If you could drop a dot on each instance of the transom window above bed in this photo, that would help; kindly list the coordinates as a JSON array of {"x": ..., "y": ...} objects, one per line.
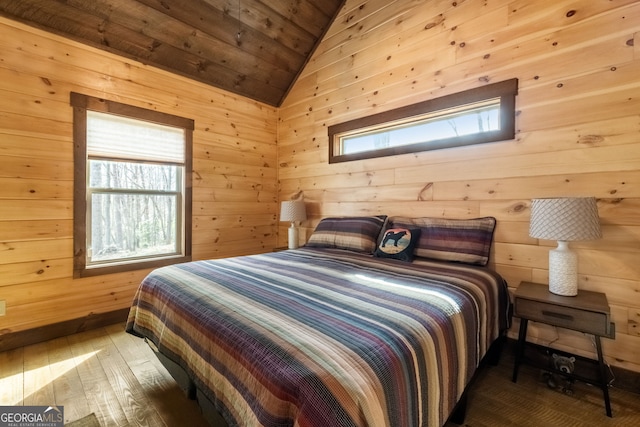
[
  {"x": 132, "y": 197},
  {"x": 475, "y": 116}
]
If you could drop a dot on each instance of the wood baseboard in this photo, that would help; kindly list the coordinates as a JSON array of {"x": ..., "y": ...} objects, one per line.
[{"x": 13, "y": 340}]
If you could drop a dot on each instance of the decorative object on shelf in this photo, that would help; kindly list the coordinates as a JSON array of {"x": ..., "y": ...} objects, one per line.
[
  {"x": 565, "y": 364},
  {"x": 564, "y": 219},
  {"x": 293, "y": 211}
]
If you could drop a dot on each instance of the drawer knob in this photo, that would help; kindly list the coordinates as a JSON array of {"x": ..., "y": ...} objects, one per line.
[{"x": 557, "y": 315}]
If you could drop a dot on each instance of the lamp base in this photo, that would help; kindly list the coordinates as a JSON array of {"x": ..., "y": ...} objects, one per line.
[
  {"x": 293, "y": 236},
  {"x": 563, "y": 271}
]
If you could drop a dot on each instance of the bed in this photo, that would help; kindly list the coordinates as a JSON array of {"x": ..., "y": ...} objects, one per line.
[{"x": 330, "y": 334}]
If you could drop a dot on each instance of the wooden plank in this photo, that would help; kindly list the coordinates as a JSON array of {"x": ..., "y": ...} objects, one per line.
[
  {"x": 390, "y": 193},
  {"x": 592, "y": 263},
  {"x": 161, "y": 391},
  {"x": 556, "y": 35},
  {"x": 620, "y": 265},
  {"x": 34, "y": 315},
  {"x": 619, "y": 76},
  {"x": 224, "y": 220},
  {"x": 24, "y": 251},
  {"x": 523, "y": 13},
  {"x": 604, "y": 184},
  {"x": 32, "y": 189},
  {"x": 67, "y": 385},
  {"x": 226, "y": 131},
  {"x": 127, "y": 389},
  {"x": 591, "y": 160},
  {"x": 21, "y": 124},
  {"x": 35, "y": 230},
  {"x": 621, "y": 292},
  {"x": 38, "y": 377},
  {"x": 100, "y": 393},
  {"x": 37, "y": 106},
  {"x": 622, "y": 100},
  {"x": 34, "y": 210},
  {"x": 241, "y": 233},
  {"x": 35, "y": 168},
  {"x": 12, "y": 340},
  {"x": 236, "y": 169},
  {"x": 203, "y": 185},
  {"x": 209, "y": 250},
  {"x": 236, "y": 150},
  {"x": 234, "y": 194},
  {"x": 222, "y": 155},
  {"x": 24, "y": 146},
  {"x": 34, "y": 304},
  {"x": 410, "y": 209},
  {"x": 12, "y": 377},
  {"x": 337, "y": 181},
  {"x": 236, "y": 208},
  {"x": 511, "y": 231},
  {"x": 35, "y": 271}
]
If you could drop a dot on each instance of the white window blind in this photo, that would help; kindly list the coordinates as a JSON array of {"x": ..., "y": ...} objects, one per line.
[{"x": 116, "y": 137}]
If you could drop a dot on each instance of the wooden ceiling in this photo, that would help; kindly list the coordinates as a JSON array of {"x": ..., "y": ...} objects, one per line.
[{"x": 254, "y": 48}]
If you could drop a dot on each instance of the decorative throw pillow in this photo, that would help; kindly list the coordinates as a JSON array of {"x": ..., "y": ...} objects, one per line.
[
  {"x": 398, "y": 243},
  {"x": 460, "y": 240},
  {"x": 359, "y": 234}
]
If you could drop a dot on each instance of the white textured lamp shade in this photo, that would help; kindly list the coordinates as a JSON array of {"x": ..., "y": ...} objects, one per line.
[
  {"x": 564, "y": 219},
  {"x": 293, "y": 211}
]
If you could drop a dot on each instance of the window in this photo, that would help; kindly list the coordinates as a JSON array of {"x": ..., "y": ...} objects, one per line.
[
  {"x": 480, "y": 115},
  {"x": 132, "y": 196}
]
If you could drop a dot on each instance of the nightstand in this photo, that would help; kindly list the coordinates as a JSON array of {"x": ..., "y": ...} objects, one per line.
[{"x": 588, "y": 312}]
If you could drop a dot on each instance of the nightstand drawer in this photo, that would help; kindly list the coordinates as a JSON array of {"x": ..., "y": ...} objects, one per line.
[{"x": 565, "y": 317}]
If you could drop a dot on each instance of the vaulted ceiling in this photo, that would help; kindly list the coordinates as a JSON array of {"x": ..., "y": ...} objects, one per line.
[{"x": 254, "y": 48}]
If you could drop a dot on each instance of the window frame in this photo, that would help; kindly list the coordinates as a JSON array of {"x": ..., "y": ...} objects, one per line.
[
  {"x": 81, "y": 103},
  {"x": 505, "y": 90}
]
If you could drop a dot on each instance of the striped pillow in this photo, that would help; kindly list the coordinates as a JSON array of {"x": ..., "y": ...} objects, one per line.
[
  {"x": 460, "y": 240},
  {"x": 359, "y": 234}
]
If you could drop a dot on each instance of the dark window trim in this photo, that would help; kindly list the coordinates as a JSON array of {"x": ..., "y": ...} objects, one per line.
[
  {"x": 81, "y": 103},
  {"x": 505, "y": 90}
]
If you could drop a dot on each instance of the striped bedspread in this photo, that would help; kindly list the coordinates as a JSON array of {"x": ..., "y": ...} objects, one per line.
[{"x": 321, "y": 337}]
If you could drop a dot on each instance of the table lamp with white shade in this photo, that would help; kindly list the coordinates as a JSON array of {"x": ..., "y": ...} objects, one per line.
[
  {"x": 293, "y": 211},
  {"x": 564, "y": 219}
]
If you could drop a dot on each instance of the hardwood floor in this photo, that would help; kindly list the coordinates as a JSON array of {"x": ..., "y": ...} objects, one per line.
[
  {"x": 116, "y": 376},
  {"x": 105, "y": 371},
  {"x": 494, "y": 400}
]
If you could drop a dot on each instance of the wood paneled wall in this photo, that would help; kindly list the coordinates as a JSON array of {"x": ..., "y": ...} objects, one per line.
[
  {"x": 234, "y": 178},
  {"x": 578, "y": 132}
]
